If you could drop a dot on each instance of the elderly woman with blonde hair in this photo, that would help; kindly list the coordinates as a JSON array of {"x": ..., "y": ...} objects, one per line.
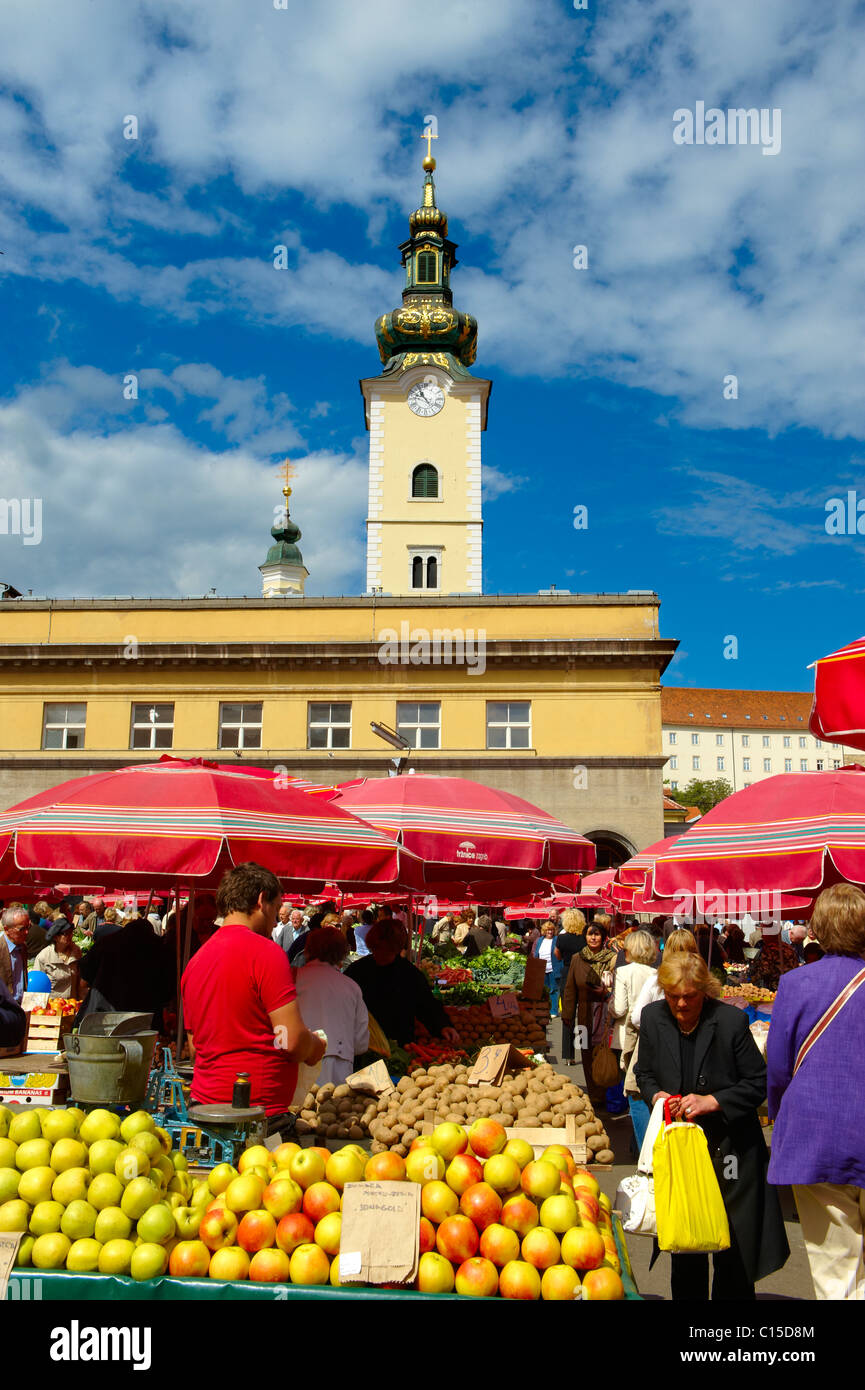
[{"x": 698, "y": 1053}]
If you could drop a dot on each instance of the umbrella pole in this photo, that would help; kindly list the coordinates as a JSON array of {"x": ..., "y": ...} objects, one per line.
[
  {"x": 178, "y": 970},
  {"x": 184, "y": 961}
]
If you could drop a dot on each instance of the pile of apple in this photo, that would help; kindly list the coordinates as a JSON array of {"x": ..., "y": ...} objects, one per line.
[
  {"x": 91, "y": 1193},
  {"x": 496, "y": 1220}
]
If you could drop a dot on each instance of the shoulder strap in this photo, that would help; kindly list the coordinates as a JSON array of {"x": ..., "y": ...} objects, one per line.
[{"x": 832, "y": 1012}]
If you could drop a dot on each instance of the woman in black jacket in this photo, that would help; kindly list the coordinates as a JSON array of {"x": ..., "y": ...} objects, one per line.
[{"x": 699, "y": 1052}]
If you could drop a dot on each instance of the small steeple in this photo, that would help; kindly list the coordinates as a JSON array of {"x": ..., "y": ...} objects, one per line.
[{"x": 283, "y": 573}]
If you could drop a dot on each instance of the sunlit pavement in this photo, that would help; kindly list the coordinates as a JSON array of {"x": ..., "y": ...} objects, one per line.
[{"x": 791, "y": 1282}]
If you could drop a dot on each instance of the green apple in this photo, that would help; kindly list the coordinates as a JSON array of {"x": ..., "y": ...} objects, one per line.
[
  {"x": 83, "y": 1257},
  {"x": 148, "y": 1261},
  {"x": 136, "y": 1123},
  {"x": 115, "y": 1257},
  {"x": 164, "y": 1138},
  {"x": 103, "y": 1155},
  {"x": 105, "y": 1191},
  {"x": 181, "y": 1164},
  {"x": 10, "y": 1181},
  {"x": 219, "y": 1177},
  {"x": 131, "y": 1163},
  {"x": 33, "y": 1153},
  {"x": 8, "y": 1150},
  {"x": 187, "y": 1220},
  {"x": 112, "y": 1224},
  {"x": 157, "y": 1225},
  {"x": 45, "y": 1218},
  {"x": 71, "y": 1184},
  {"x": 148, "y": 1141},
  {"x": 5, "y": 1120},
  {"x": 68, "y": 1153},
  {"x": 24, "y": 1258},
  {"x": 179, "y": 1186},
  {"x": 79, "y": 1220},
  {"x": 99, "y": 1124},
  {"x": 25, "y": 1125},
  {"x": 14, "y": 1216},
  {"x": 201, "y": 1196},
  {"x": 50, "y": 1251},
  {"x": 163, "y": 1164},
  {"x": 138, "y": 1197},
  {"x": 79, "y": 1114},
  {"x": 59, "y": 1124},
  {"x": 35, "y": 1185}
]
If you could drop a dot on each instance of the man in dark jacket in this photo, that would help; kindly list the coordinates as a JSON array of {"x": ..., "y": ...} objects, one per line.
[{"x": 13, "y": 1020}]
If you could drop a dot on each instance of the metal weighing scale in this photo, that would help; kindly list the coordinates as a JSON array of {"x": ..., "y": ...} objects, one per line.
[{"x": 205, "y": 1134}]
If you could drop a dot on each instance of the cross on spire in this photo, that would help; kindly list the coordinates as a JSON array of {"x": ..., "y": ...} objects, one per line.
[
  {"x": 288, "y": 472},
  {"x": 429, "y": 136}
]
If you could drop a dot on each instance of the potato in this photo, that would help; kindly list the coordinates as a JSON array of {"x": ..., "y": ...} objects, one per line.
[
  {"x": 341, "y": 1092},
  {"x": 401, "y": 1149},
  {"x": 326, "y": 1091},
  {"x": 546, "y": 1117},
  {"x": 344, "y": 1106},
  {"x": 404, "y": 1084},
  {"x": 604, "y": 1156},
  {"x": 597, "y": 1142},
  {"x": 377, "y": 1148},
  {"x": 409, "y": 1136}
]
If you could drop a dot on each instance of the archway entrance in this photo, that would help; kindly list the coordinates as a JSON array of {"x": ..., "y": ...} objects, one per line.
[{"x": 611, "y": 849}]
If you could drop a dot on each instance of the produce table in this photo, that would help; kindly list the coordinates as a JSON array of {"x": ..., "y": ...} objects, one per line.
[{"x": 59, "y": 1287}]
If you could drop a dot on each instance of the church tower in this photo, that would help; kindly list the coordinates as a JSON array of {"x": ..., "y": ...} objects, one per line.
[
  {"x": 283, "y": 573},
  {"x": 425, "y": 414}
]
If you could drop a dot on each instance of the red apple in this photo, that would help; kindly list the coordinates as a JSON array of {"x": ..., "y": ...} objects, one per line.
[
  {"x": 541, "y": 1248},
  {"x": 559, "y": 1284},
  {"x": 457, "y": 1239},
  {"x": 540, "y": 1179},
  {"x": 424, "y": 1165},
  {"x": 463, "y": 1172},
  {"x": 588, "y": 1207},
  {"x": 218, "y": 1228},
  {"x": 520, "y": 1214},
  {"x": 294, "y": 1230},
  {"x": 385, "y": 1167},
  {"x": 487, "y": 1137},
  {"x": 435, "y": 1274},
  {"x": 583, "y": 1248},
  {"x": 561, "y": 1156},
  {"x": 481, "y": 1204},
  {"x": 257, "y": 1231},
  {"x": 519, "y": 1280},
  {"x": 602, "y": 1284},
  {"x": 500, "y": 1244},
  {"x": 229, "y": 1263},
  {"x": 438, "y": 1201},
  {"x": 190, "y": 1259},
  {"x": 282, "y": 1196},
  {"x": 284, "y": 1153},
  {"x": 477, "y": 1278},
  {"x": 309, "y": 1265},
  {"x": 269, "y": 1267},
  {"x": 581, "y": 1177},
  {"x": 427, "y": 1235},
  {"x": 320, "y": 1199}
]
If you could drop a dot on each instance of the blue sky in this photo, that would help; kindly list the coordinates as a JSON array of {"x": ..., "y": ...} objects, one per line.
[{"x": 259, "y": 126}]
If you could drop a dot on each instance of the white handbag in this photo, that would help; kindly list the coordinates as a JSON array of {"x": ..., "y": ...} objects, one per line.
[{"x": 635, "y": 1195}]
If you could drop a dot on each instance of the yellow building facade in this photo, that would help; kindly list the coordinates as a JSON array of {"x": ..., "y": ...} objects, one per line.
[{"x": 554, "y": 697}]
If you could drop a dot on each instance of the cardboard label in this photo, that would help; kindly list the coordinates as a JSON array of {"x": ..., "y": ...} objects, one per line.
[
  {"x": 374, "y": 1078},
  {"x": 535, "y": 978},
  {"x": 273, "y": 1141},
  {"x": 9, "y": 1242},
  {"x": 31, "y": 1000},
  {"x": 504, "y": 1005},
  {"x": 493, "y": 1062},
  {"x": 380, "y": 1238}
]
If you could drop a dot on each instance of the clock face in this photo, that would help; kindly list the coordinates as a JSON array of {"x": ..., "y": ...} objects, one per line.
[{"x": 426, "y": 398}]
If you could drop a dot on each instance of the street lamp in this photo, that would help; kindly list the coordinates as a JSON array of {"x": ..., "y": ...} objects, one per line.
[{"x": 395, "y": 740}]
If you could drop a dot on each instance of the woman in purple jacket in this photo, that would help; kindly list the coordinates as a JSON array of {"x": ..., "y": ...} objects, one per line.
[{"x": 818, "y": 1144}]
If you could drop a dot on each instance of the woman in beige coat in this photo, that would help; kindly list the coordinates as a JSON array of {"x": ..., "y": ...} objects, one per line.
[{"x": 640, "y": 955}]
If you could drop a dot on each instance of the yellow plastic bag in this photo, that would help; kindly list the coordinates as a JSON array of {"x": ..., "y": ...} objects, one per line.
[
  {"x": 377, "y": 1040},
  {"x": 688, "y": 1205}
]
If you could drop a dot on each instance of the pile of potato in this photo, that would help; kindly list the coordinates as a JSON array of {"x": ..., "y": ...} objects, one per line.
[
  {"x": 476, "y": 1025},
  {"x": 337, "y": 1112},
  {"x": 530, "y": 1100}
]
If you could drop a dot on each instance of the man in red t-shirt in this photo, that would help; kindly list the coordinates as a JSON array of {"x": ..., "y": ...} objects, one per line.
[{"x": 239, "y": 1000}]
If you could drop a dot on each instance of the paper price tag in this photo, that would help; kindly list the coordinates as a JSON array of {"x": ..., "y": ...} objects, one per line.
[
  {"x": 9, "y": 1242},
  {"x": 374, "y": 1078},
  {"x": 380, "y": 1232},
  {"x": 273, "y": 1141},
  {"x": 504, "y": 1005}
]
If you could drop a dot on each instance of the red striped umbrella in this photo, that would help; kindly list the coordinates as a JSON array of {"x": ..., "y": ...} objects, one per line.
[
  {"x": 188, "y": 823},
  {"x": 470, "y": 834},
  {"x": 838, "y": 712},
  {"x": 791, "y": 834}
]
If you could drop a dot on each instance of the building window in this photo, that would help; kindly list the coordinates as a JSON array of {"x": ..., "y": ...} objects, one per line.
[
  {"x": 746, "y": 740},
  {"x": 836, "y": 762},
  {"x": 788, "y": 742},
  {"x": 328, "y": 726},
  {"x": 673, "y": 737},
  {"x": 802, "y": 741},
  {"x": 63, "y": 726},
  {"x": 420, "y": 724},
  {"x": 765, "y": 740},
  {"x": 720, "y": 762},
  {"x": 817, "y": 743},
  {"x": 747, "y": 784},
  {"x": 746, "y": 764},
  {"x": 788, "y": 764},
  {"x": 152, "y": 726},
  {"x": 719, "y": 740},
  {"x": 240, "y": 726},
  {"x": 695, "y": 764},
  {"x": 695, "y": 738},
  {"x": 425, "y": 481},
  {"x": 674, "y": 764},
  {"x": 767, "y": 764},
  {"x": 426, "y": 268},
  {"x": 819, "y": 764},
  {"x": 425, "y": 569},
  {"x": 674, "y": 786},
  {"x": 509, "y": 725},
  {"x": 803, "y": 764}
]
